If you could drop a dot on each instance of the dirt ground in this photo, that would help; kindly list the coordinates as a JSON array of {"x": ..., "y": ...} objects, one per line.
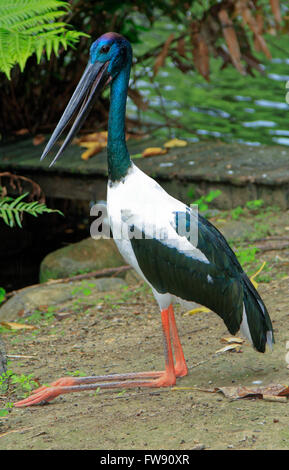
[{"x": 119, "y": 332}]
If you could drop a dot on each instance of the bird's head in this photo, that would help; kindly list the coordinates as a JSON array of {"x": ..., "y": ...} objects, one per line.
[
  {"x": 111, "y": 48},
  {"x": 109, "y": 54}
]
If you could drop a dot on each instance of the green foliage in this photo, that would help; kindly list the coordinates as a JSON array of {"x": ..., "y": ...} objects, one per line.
[
  {"x": 22, "y": 383},
  {"x": 147, "y": 25},
  {"x": 236, "y": 212},
  {"x": 84, "y": 289},
  {"x": 256, "y": 207},
  {"x": 5, "y": 411},
  {"x": 30, "y": 26},
  {"x": 203, "y": 201},
  {"x": 44, "y": 316},
  {"x": 246, "y": 255},
  {"x": 255, "y": 204},
  {"x": 76, "y": 373},
  {"x": 2, "y": 294},
  {"x": 11, "y": 210}
]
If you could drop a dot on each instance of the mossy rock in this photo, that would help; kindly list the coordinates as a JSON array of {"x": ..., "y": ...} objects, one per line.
[
  {"x": 79, "y": 258},
  {"x": 32, "y": 297}
]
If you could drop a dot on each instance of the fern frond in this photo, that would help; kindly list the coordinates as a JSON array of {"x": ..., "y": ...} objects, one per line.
[
  {"x": 38, "y": 22},
  {"x": 11, "y": 210},
  {"x": 14, "y": 11},
  {"x": 6, "y": 61},
  {"x": 31, "y": 26}
]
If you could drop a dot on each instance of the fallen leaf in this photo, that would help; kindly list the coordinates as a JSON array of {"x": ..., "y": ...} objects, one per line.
[
  {"x": 38, "y": 139},
  {"x": 271, "y": 390},
  {"x": 230, "y": 347},
  {"x": 94, "y": 143},
  {"x": 93, "y": 137},
  {"x": 197, "y": 310},
  {"x": 22, "y": 132},
  {"x": 17, "y": 326},
  {"x": 232, "y": 339},
  {"x": 175, "y": 143},
  {"x": 153, "y": 151},
  {"x": 91, "y": 151}
]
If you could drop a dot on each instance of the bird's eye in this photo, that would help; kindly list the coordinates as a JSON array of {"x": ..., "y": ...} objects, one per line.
[{"x": 104, "y": 49}]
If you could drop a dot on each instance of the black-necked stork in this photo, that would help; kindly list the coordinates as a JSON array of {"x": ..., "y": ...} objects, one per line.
[{"x": 206, "y": 272}]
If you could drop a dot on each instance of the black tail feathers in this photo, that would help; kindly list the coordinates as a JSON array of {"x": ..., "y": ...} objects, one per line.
[{"x": 258, "y": 321}]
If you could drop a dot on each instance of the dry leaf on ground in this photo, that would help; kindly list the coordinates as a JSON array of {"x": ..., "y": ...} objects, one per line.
[
  {"x": 23, "y": 131},
  {"x": 153, "y": 151},
  {"x": 197, "y": 310},
  {"x": 38, "y": 139},
  {"x": 271, "y": 390},
  {"x": 94, "y": 143},
  {"x": 230, "y": 347},
  {"x": 232, "y": 339},
  {"x": 175, "y": 143},
  {"x": 17, "y": 326}
]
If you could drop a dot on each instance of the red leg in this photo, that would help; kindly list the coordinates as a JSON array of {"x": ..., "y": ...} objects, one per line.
[
  {"x": 169, "y": 376},
  {"x": 181, "y": 368},
  {"x": 64, "y": 385}
]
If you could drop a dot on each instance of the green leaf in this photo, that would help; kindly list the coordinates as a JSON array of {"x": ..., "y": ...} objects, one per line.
[
  {"x": 255, "y": 204},
  {"x": 212, "y": 195},
  {"x": 2, "y": 294},
  {"x": 11, "y": 210},
  {"x": 32, "y": 26}
]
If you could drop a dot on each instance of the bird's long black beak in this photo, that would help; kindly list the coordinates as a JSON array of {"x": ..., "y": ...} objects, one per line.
[{"x": 92, "y": 82}]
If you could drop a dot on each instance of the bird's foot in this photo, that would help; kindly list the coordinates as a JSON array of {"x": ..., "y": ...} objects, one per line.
[
  {"x": 47, "y": 393},
  {"x": 64, "y": 385},
  {"x": 36, "y": 398}
]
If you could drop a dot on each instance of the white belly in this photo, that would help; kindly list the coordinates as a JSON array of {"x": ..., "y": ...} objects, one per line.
[{"x": 138, "y": 200}]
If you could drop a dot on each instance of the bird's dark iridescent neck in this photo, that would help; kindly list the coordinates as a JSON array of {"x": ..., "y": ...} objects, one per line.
[{"x": 117, "y": 153}]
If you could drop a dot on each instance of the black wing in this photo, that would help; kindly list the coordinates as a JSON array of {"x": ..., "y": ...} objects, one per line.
[
  {"x": 219, "y": 284},
  {"x": 214, "y": 284}
]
